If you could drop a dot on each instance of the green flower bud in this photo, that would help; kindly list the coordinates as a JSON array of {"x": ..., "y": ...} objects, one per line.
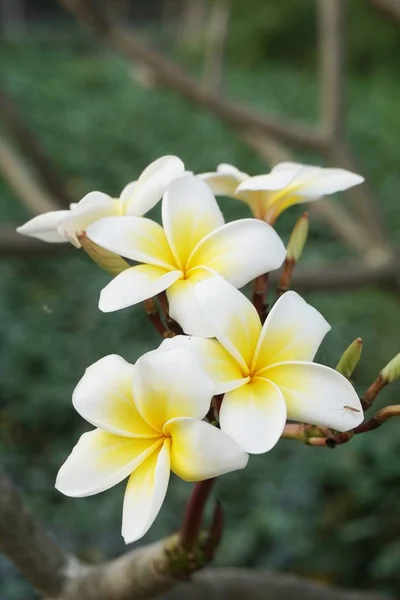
[
  {"x": 350, "y": 357},
  {"x": 109, "y": 261},
  {"x": 298, "y": 239},
  {"x": 392, "y": 370}
]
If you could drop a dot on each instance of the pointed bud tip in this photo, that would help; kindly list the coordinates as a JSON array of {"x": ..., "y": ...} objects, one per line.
[
  {"x": 392, "y": 370},
  {"x": 298, "y": 238}
]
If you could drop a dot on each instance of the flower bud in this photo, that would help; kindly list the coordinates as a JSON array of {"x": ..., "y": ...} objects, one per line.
[
  {"x": 350, "y": 358},
  {"x": 298, "y": 238},
  {"x": 109, "y": 261},
  {"x": 392, "y": 370}
]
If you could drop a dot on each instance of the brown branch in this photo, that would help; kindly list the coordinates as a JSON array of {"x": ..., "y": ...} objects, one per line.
[
  {"x": 215, "y": 44},
  {"x": 389, "y": 9},
  {"x": 21, "y": 181},
  {"x": 331, "y": 34},
  {"x": 45, "y": 168},
  {"x": 173, "y": 77},
  {"x": 376, "y": 421},
  {"x": 25, "y": 541},
  {"x": 193, "y": 516}
]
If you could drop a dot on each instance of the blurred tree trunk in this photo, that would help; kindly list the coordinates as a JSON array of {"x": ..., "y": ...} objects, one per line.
[
  {"x": 193, "y": 21},
  {"x": 12, "y": 19}
]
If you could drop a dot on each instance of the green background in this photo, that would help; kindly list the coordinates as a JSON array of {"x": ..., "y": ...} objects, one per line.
[{"x": 330, "y": 515}]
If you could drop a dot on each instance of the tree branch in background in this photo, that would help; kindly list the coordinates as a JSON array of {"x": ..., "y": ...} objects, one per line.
[
  {"x": 25, "y": 541},
  {"x": 389, "y": 9},
  {"x": 20, "y": 180},
  {"x": 171, "y": 76},
  {"x": 215, "y": 44},
  {"x": 331, "y": 35},
  {"x": 13, "y": 122}
]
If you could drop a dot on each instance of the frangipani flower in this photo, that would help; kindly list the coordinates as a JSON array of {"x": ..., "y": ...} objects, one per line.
[
  {"x": 137, "y": 198},
  {"x": 149, "y": 421},
  {"x": 266, "y": 371},
  {"x": 193, "y": 245},
  {"x": 288, "y": 183}
]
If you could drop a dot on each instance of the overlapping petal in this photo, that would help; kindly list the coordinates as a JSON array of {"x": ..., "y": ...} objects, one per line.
[
  {"x": 92, "y": 207},
  {"x": 293, "y": 330},
  {"x": 200, "y": 451},
  {"x": 100, "y": 460},
  {"x": 233, "y": 318},
  {"x": 145, "y": 494},
  {"x": 44, "y": 227},
  {"x": 240, "y": 251},
  {"x": 225, "y": 180},
  {"x": 183, "y": 305},
  {"x": 135, "y": 285},
  {"x": 217, "y": 363},
  {"x": 169, "y": 384},
  {"x": 254, "y": 415},
  {"x": 189, "y": 213},
  {"x": 136, "y": 238},
  {"x": 143, "y": 195},
  {"x": 104, "y": 398},
  {"x": 317, "y": 394}
]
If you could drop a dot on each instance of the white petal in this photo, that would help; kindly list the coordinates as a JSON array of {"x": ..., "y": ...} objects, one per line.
[
  {"x": 152, "y": 184},
  {"x": 215, "y": 360},
  {"x": 317, "y": 394},
  {"x": 135, "y": 285},
  {"x": 254, "y": 415},
  {"x": 145, "y": 494},
  {"x": 92, "y": 207},
  {"x": 271, "y": 181},
  {"x": 136, "y": 238},
  {"x": 201, "y": 451},
  {"x": 293, "y": 330},
  {"x": 189, "y": 213},
  {"x": 316, "y": 182},
  {"x": 44, "y": 227},
  {"x": 225, "y": 181},
  {"x": 240, "y": 251},
  {"x": 183, "y": 306},
  {"x": 100, "y": 460},
  {"x": 232, "y": 317},
  {"x": 104, "y": 397},
  {"x": 126, "y": 195},
  {"x": 169, "y": 384}
]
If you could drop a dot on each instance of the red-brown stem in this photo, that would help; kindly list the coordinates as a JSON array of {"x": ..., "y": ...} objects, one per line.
[
  {"x": 372, "y": 392},
  {"x": 173, "y": 327},
  {"x": 286, "y": 277},
  {"x": 259, "y": 295},
  {"x": 215, "y": 532},
  {"x": 154, "y": 316},
  {"x": 193, "y": 517}
]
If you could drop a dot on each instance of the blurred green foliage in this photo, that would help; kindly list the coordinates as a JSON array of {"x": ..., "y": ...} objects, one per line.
[{"x": 332, "y": 515}]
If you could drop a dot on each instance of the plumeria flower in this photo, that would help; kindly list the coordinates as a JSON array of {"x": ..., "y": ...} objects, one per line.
[
  {"x": 266, "y": 372},
  {"x": 137, "y": 198},
  {"x": 288, "y": 183},
  {"x": 193, "y": 244},
  {"x": 148, "y": 420}
]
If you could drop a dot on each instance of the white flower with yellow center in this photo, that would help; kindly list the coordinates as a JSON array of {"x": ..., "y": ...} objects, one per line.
[
  {"x": 193, "y": 244},
  {"x": 149, "y": 422},
  {"x": 287, "y": 184},
  {"x": 137, "y": 198},
  {"x": 266, "y": 371}
]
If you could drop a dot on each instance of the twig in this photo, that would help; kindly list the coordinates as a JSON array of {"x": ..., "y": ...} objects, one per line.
[
  {"x": 45, "y": 168},
  {"x": 259, "y": 294},
  {"x": 373, "y": 391},
  {"x": 389, "y": 9},
  {"x": 376, "y": 421},
  {"x": 193, "y": 517},
  {"x": 153, "y": 313},
  {"x": 215, "y": 42},
  {"x": 21, "y": 181}
]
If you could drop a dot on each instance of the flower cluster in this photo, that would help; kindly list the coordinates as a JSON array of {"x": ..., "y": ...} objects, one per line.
[{"x": 204, "y": 400}]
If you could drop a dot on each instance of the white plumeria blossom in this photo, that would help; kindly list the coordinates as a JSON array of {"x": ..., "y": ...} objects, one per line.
[
  {"x": 148, "y": 420},
  {"x": 266, "y": 372},
  {"x": 193, "y": 244},
  {"x": 137, "y": 198},
  {"x": 288, "y": 183}
]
